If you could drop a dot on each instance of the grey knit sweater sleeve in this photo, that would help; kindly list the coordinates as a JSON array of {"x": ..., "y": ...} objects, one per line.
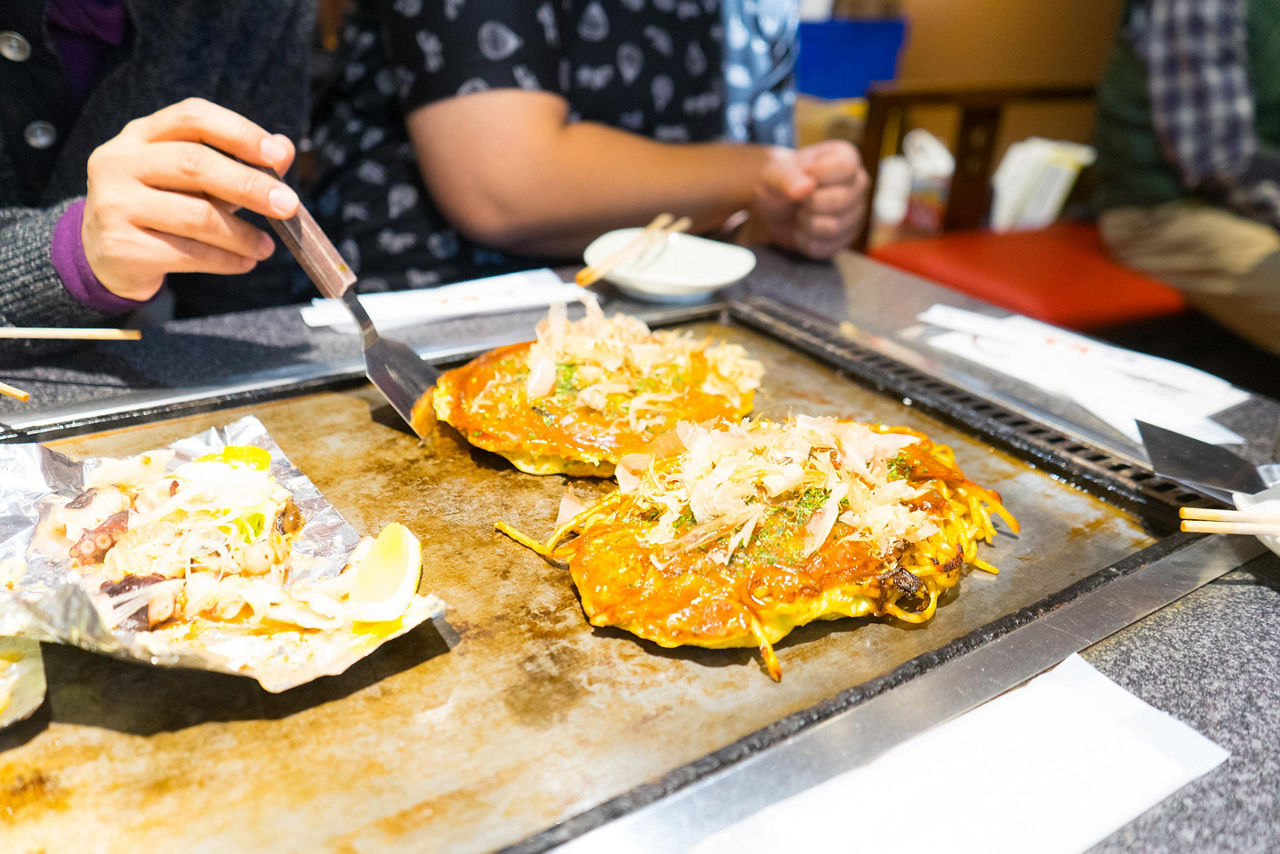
[{"x": 32, "y": 294}]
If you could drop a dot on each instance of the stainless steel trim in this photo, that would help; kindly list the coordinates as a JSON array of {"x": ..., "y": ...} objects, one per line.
[
  {"x": 252, "y": 385},
  {"x": 259, "y": 385},
  {"x": 858, "y": 735}
]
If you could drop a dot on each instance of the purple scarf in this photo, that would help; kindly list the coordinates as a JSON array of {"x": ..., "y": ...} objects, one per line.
[{"x": 83, "y": 31}]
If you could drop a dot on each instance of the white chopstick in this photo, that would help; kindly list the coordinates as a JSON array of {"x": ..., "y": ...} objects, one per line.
[
  {"x": 1201, "y": 520},
  {"x": 660, "y": 227},
  {"x": 14, "y": 391},
  {"x": 90, "y": 333}
]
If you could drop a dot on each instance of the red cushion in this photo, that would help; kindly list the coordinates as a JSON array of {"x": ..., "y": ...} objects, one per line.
[{"x": 1060, "y": 274}]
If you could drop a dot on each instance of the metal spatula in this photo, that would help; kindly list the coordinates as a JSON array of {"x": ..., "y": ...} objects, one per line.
[
  {"x": 1205, "y": 468},
  {"x": 394, "y": 369}
]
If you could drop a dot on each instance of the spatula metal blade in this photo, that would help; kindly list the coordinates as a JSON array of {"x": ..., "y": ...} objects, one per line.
[
  {"x": 400, "y": 374},
  {"x": 393, "y": 368},
  {"x": 1198, "y": 464}
]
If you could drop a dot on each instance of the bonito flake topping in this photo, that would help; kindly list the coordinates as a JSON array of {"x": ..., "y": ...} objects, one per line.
[
  {"x": 725, "y": 534},
  {"x": 614, "y": 355},
  {"x": 587, "y": 392},
  {"x": 729, "y": 474}
]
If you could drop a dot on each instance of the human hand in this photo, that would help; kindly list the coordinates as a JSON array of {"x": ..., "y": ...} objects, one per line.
[
  {"x": 162, "y": 200},
  {"x": 812, "y": 200}
]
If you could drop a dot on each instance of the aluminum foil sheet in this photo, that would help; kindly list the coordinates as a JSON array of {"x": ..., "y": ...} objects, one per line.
[{"x": 44, "y": 598}]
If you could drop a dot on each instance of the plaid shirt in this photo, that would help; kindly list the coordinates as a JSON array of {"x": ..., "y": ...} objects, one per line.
[{"x": 1197, "y": 58}]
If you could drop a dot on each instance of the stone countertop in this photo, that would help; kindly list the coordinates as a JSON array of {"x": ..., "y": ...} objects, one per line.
[{"x": 1209, "y": 659}]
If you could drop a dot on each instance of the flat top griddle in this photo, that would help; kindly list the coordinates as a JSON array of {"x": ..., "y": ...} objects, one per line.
[{"x": 512, "y": 722}]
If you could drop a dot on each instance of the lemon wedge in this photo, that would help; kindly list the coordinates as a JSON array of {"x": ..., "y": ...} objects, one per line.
[{"x": 386, "y": 577}]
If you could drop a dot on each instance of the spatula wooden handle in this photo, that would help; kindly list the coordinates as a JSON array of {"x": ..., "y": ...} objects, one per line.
[
  {"x": 317, "y": 255},
  {"x": 313, "y": 249}
]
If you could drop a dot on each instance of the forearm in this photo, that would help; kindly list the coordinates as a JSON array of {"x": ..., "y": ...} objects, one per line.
[
  {"x": 599, "y": 178},
  {"x": 551, "y": 192}
]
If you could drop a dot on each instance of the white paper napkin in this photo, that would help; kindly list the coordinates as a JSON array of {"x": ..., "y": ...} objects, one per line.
[
  {"x": 1053, "y": 766},
  {"x": 1115, "y": 384},
  {"x": 508, "y": 292}
]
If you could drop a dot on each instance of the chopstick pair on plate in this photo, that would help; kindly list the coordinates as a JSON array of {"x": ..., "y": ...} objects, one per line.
[
  {"x": 663, "y": 225},
  {"x": 63, "y": 333},
  {"x": 1199, "y": 520}
]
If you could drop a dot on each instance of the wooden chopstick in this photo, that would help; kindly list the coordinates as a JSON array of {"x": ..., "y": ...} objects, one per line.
[
  {"x": 90, "y": 333},
  {"x": 1204, "y": 520},
  {"x": 1210, "y": 514},
  {"x": 592, "y": 273},
  {"x": 13, "y": 391},
  {"x": 1194, "y": 527},
  {"x": 659, "y": 228}
]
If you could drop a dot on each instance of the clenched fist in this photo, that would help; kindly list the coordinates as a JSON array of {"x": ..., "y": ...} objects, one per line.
[{"x": 811, "y": 200}]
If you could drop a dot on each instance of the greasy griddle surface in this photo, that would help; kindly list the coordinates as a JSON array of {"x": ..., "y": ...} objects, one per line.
[{"x": 509, "y": 715}]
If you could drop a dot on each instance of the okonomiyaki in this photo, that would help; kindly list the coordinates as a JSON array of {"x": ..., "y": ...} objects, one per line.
[
  {"x": 733, "y": 534},
  {"x": 587, "y": 392}
]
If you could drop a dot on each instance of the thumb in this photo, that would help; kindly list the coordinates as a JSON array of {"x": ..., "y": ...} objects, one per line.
[
  {"x": 830, "y": 161},
  {"x": 785, "y": 176},
  {"x": 811, "y": 154}
]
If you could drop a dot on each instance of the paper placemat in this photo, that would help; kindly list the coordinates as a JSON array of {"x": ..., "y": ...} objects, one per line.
[
  {"x": 490, "y": 295},
  {"x": 1053, "y": 766},
  {"x": 1114, "y": 384}
]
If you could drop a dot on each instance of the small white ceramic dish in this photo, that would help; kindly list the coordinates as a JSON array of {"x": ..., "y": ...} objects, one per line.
[{"x": 680, "y": 268}]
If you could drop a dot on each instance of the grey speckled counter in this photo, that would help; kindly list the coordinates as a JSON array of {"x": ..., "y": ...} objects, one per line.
[{"x": 1211, "y": 659}]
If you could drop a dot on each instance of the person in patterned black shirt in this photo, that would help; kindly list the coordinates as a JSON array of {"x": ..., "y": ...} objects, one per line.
[{"x": 470, "y": 137}]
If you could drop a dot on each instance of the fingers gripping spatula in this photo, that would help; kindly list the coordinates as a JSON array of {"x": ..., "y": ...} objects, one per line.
[{"x": 394, "y": 369}]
